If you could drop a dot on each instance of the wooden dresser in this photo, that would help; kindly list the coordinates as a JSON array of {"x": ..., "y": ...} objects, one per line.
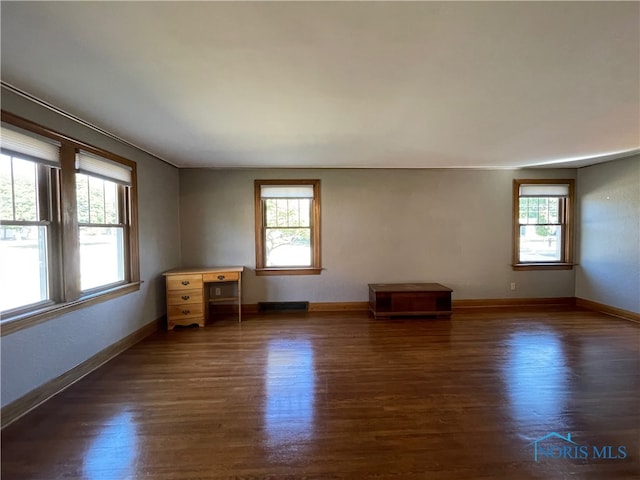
[{"x": 190, "y": 290}]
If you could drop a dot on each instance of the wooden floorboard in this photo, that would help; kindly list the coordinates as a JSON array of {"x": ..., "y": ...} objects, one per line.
[{"x": 329, "y": 396}]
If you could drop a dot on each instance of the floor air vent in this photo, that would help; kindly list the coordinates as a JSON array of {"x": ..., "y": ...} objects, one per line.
[{"x": 283, "y": 306}]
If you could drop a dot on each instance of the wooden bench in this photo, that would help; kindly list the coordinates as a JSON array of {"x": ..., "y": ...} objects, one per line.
[{"x": 409, "y": 299}]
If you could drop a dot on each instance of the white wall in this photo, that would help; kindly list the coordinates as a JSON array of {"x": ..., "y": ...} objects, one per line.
[
  {"x": 609, "y": 234},
  {"x": 446, "y": 226},
  {"x": 33, "y": 356}
]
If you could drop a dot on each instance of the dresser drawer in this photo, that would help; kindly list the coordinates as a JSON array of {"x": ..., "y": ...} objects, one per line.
[
  {"x": 189, "y": 292},
  {"x": 181, "y": 297},
  {"x": 192, "y": 310},
  {"x": 220, "y": 277},
  {"x": 184, "y": 282}
]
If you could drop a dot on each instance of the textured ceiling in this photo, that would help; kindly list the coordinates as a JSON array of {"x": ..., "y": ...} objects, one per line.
[{"x": 333, "y": 84}]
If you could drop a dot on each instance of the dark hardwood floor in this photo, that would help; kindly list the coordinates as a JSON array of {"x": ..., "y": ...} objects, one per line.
[{"x": 326, "y": 396}]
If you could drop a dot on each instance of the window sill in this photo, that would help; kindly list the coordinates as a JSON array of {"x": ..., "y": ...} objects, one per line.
[
  {"x": 543, "y": 266},
  {"x": 288, "y": 271},
  {"x": 15, "y": 323}
]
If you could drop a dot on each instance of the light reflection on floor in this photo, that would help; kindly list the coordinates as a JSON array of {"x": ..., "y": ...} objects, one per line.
[
  {"x": 290, "y": 384},
  {"x": 536, "y": 378},
  {"x": 113, "y": 453}
]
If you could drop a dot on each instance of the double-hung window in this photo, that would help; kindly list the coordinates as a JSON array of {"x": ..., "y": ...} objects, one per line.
[
  {"x": 68, "y": 224},
  {"x": 543, "y": 221},
  {"x": 102, "y": 188},
  {"x": 287, "y": 227},
  {"x": 29, "y": 168}
]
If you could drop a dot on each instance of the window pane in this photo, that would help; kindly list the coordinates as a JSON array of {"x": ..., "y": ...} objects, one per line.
[
  {"x": 82, "y": 196},
  {"x": 288, "y": 247},
  {"x": 539, "y": 210},
  {"x": 6, "y": 189},
  {"x": 540, "y": 243},
  {"x": 110, "y": 202},
  {"x": 270, "y": 207},
  {"x": 24, "y": 184},
  {"x": 101, "y": 256},
  {"x": 532, "y": 210},
  {"x": 23, "y": 256},
  {"x": 96, "y": 200},
  {"x": 281, "y": 213},
  {"x": 305, "y": 212},
  {"x": 554, "y": 210},
  {"x": 543, "y": 210},
  {"x": 292, "y": 212},
  {"x": 523, "y": 210}
]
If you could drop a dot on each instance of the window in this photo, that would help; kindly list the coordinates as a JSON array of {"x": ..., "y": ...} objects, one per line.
[
  {"x": 68, "y": 232},
  {"x": 543, "y": 219},
  {"x": 287, "y": 227},
  {"x": 28, "y": 165},
  {"x": 101, "y": 194}
]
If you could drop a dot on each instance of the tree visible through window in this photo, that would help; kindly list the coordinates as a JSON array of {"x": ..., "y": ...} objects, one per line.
[
  {"x": 24, "y": 233},
  {"x": 287, "y": 226},
  {"x": 288, "y": 232},
  {"x": 101, "y": 232},
  {"x": 542, "y": 222},
  {"x": 540, "y": 229},
  {"x": 68, "y": 224},
  {"x": 102, "y": 187}
]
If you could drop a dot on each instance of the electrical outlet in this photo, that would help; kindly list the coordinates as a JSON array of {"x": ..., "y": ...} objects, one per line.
[
  {"x": 513, "y": 285},
  {"x": 218, "y": 291}
]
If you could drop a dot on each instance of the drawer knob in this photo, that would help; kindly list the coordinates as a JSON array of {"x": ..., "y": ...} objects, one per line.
[
  {"x": 186, "y": 297},
  {"x": 185, "y": 282},
  {"x": 186, "y": 312},
  {"x": 220, "y": 277}
]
